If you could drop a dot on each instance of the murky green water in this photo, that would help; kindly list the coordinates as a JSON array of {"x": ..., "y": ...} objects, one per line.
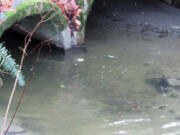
[{"x": 109, "y": 88}]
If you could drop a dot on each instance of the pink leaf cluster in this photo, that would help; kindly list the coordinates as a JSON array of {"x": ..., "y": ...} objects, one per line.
[
  {"x": 6, "y": 5},
  {"x": 71, "y": 11},
  {"x": 69, "y": 8}
]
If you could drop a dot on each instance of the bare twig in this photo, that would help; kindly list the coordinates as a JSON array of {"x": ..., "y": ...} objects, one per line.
[
  {"x": 25, "y": 87},
  {"x": 8, "y": 73},
  {"x": 39, "y": 45},
  {"x": 26, "y": 43}
]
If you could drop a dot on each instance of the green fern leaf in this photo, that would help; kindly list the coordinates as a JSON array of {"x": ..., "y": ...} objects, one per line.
[{"x": 8, "y": 64}]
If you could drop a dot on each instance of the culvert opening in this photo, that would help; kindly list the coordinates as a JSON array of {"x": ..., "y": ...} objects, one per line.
[
  {"x": 14, "y": 37},
  {"x": 14, "y": 42},
  {"x": 145, "y": 14}
]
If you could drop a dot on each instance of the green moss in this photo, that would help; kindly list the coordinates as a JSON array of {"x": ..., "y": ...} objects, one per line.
[
  {"x": 28, "y": 8},
  {"x": 80, "y": 3},
  {"x": 84, "y": 16}
]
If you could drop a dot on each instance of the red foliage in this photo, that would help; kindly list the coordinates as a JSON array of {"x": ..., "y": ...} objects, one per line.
[
  {"x": 71, "y": 11},
  {"x": 6, "y": 5},
  {"x": 69, "y": 8}
]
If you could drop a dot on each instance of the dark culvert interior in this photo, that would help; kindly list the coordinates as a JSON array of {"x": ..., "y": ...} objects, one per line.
[{"x": 144, "y": 14}]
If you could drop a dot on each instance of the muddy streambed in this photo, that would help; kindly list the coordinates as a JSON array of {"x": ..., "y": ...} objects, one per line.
[{"x": 114, "y": 86}]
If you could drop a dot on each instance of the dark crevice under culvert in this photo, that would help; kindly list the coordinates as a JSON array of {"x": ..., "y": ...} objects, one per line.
[{"x": 142, "y": 13}]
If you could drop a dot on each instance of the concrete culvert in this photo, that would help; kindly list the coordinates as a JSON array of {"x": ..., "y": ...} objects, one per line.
[{"x": 26, "y": 16}]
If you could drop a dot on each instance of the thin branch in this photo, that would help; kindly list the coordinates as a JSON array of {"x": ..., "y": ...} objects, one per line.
[
  {"x": 3, "y": 72},
  {"x": 42, "y": 43},
  {"x": 50, "y": 17},
  {"x": 26, "y": 43},
  {"x": 25, "y": 87}
]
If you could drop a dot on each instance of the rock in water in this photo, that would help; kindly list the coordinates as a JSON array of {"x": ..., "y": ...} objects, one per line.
[
  {"x": 164, "y": 84},
  {"x": 174, "y": 82}
]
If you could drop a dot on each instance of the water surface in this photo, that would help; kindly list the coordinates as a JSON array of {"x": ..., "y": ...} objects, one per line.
[{"x": 111, "y": 87}]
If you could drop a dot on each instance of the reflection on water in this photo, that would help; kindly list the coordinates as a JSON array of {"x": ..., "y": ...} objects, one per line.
[{"x": 114, "y": 86}]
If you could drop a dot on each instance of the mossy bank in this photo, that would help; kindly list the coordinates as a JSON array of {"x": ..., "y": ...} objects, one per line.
[{"x": 27, "y": 15}]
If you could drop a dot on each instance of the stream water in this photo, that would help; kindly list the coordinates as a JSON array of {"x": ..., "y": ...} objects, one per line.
[{"x": 111, "y": 87}]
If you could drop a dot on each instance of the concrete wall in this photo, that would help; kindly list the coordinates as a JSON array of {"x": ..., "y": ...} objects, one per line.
[{"x": 27, "y": 15}]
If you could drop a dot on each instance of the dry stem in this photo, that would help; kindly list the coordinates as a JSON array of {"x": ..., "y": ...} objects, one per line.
[{"x": 26, "y": 43}]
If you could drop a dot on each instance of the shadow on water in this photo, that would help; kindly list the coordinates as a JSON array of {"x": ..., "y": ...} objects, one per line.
[{"x": 160, "y": 84}]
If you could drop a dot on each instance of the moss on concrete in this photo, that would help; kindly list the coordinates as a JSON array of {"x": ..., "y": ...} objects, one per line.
[
  {"x": 53, "y": 28},
  {"x": 30, "y": 8},
  {"x": 83, "y": 18}
]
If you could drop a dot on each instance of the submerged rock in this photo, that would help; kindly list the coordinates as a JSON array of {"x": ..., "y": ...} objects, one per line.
[
  {"x": 164, "y": 85},
  {"x": 174, "y": 82},
  {"x": 174, "y": 95}
]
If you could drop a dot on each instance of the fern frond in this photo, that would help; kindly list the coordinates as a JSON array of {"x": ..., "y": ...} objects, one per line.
[{"x": 8, "y": 64}]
